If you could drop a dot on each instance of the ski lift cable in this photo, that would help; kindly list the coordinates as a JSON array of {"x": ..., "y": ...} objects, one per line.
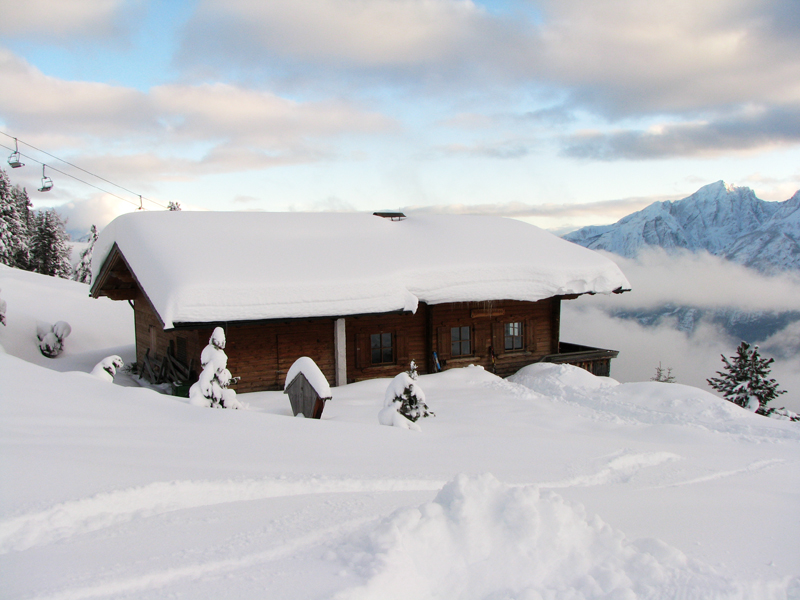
[
  {"x": 52, "y": 168},
  {"x": 74, "y": 166}
]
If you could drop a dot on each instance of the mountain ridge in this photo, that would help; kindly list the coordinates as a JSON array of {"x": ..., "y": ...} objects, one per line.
[{"x": 724, "y": 220}]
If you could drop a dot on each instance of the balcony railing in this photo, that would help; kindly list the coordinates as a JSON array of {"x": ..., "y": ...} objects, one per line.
[{"x": 595, "y": 360}]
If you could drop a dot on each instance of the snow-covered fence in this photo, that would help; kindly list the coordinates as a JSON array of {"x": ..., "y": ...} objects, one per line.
[{"x": 307, "y": 388}]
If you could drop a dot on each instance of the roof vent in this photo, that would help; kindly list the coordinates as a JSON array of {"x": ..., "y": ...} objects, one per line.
[{"x": 394, "y": 215}]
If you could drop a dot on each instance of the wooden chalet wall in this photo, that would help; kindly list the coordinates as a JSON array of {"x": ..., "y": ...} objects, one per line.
[
  {"x": 410, "y": 335},
  {"x": 261, "y": 353},
  {"x": 150, "y": 335},
  {"x": 540, "y": 329}
]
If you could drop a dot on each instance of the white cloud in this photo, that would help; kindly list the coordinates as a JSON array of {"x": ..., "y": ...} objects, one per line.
[
  {"x": 187, "y": 129},
  {"x": 700, "y": 280},
  {"x": 60, "y": 19}
]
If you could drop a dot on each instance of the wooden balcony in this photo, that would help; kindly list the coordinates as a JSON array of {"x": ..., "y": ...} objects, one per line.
[{"x": 595, "y": 360}]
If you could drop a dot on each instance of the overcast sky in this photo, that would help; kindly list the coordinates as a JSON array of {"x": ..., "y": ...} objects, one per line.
[{"x": 564, "y": 111}]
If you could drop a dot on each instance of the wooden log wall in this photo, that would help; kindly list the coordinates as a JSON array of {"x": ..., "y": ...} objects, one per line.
[
  {"x": 409, "y": 334},
  {"x": 540, "y": 322},
  {"x": 262, "y": 353},
  {"x": 150, "y": 335}
]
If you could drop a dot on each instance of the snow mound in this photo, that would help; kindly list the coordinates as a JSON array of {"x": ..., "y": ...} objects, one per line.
[
  {"x": 550, "y": 379},
  {"x": 645, "y": 403},
  {"x": 480, "y": 538}
]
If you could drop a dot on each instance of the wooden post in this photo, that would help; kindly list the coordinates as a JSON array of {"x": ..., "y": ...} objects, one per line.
[{"x": 340, "y": 352}]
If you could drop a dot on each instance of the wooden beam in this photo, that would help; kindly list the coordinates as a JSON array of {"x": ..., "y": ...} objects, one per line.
[
  {"x": 125, "y": 294},
  {"x": 478, "y": 313}
]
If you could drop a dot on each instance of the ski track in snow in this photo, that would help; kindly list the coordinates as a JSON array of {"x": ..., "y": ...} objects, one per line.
[
  {"x": 618, "y": 469},
  {"x": 121, "y": 506},
  {"x": 159, "y": 579},
  {"x": 751, "y": 468}
]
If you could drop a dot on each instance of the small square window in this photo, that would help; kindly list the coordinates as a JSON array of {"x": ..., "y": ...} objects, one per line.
[
  {"x": 460, "y": 341},
  {"x": 512, "y": 336},
  {"x": 382, "y": 348}
]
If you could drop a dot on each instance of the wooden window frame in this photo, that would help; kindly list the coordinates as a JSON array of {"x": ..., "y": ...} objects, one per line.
[
  {"x": 517, "y": 339},
  {"x": 459, "y": 329},
  {"x": 381, "y": 348}
]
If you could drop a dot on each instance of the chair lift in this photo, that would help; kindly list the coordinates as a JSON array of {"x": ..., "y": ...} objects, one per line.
[
  {"x": 14, "y": 159},
  {"x": 47, "y": 183}
]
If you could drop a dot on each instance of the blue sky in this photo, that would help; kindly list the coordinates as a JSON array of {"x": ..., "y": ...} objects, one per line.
[{"x": 561, "y": 112}]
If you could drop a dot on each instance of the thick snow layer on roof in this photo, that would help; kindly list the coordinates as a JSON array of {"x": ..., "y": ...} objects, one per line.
[{"x": 227, "y": 266}]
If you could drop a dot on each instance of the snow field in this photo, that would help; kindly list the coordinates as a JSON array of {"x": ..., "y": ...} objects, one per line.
[{"x": 553, "y": 484}]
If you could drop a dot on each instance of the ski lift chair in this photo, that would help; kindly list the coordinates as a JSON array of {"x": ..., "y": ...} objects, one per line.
[
  {"x": 14, "y": 159},
  {"x": 47, "y": 183}
]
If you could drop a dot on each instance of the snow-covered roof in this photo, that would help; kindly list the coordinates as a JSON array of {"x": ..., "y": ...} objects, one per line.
[{"x": 198, "y": 267}]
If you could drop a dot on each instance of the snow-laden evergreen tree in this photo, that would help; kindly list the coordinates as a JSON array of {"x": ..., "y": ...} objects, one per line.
[
  {"x": 14, "y": 219},
  {"x": 745, "y": 379},
  {"x": 211, "y": 388},
  {"x": 83, "y": 270},
  {"x": 2, "y": 311},
  {"x": 663, "y": 375},
  {"x": 50, "y": 249},
  {"x": 173, "y": 205},
  {"x": 407, "y": 398}
]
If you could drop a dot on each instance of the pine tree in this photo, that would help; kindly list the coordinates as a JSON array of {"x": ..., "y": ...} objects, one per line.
[
  {"x": 83, "y": 270},
  {"x": 173, "y": 205},
  {"x": 745, "y": 379},
  {"x": 663, "y": 375},
  {"x": 14, "y": 235},
  {"x": 49, "y": 248}
]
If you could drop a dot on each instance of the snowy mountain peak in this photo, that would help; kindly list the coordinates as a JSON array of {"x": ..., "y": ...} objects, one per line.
[{"x": 723, "y": 219}]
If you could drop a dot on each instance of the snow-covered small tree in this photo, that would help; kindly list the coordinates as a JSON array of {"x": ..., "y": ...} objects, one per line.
[
  {"x": 211, "y": 389},
  {"x": 49, "y": 245},
  {"x": 745, "y": 379},
  {"x": 83, "y": 270},
  {"x": 412, "y": 370},
  {"x": 51, "y": 337},
  {"x": 2, "y": 310},
  {"x": 173, "y": 205},
  {"x": 663, "y": 375},
  {"x": 407, "y": 397},
  {"x": 106, "y": 369}
]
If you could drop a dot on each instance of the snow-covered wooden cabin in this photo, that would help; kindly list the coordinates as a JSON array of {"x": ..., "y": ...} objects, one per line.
[{"x": 360, "y": 294}]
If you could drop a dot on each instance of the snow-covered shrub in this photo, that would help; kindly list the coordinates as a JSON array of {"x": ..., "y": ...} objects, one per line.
[
  {"x": 405, "y": 397},
  {"x": 2, "y": 310},
  {"x": 745, "y": 379},
  {"x": 51, "y": 337},
  {"x": 106, "y": 369},
  {"x": 211, "y": 388}
]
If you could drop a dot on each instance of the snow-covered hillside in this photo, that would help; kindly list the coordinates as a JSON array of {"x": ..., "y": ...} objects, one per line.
[
  {"x": 552, "y": 484},
  {"x": 724, "y": 220}
]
